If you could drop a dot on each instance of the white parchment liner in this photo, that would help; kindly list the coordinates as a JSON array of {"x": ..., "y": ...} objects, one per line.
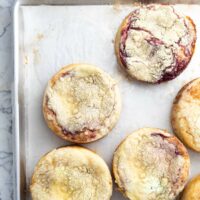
[{"x": 56, "y": 36}]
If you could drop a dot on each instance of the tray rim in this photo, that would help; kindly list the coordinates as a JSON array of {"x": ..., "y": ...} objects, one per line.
[
  {"x": 19, "y": 181},
  {"x": 15, "y": 105}
]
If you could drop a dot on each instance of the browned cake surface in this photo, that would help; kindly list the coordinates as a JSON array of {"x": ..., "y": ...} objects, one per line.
[
  {"x": 185, "y": 115},
  {"x": 192, "y": 190},
  {"x": 81, "y": 103},
  {"x": 151, "y": 164},
  {"x": 71, "y": 173}
]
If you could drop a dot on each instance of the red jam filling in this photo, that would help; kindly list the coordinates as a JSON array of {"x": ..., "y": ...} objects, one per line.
[{"x": 178, "y": 64}]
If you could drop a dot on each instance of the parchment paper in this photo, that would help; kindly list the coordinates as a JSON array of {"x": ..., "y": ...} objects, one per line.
[{"x": 55, "y": 36}]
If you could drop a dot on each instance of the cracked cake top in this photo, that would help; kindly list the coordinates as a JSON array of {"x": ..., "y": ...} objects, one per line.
[
  {"x": 81, "y": 103},
  {"x": 151, "y": 164},
  {"x": 155, "y": 43},
  {"x": 73, "y": 173}
]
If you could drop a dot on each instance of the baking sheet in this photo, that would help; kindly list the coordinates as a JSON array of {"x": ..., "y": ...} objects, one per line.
[{"x": 54, "y": 36}]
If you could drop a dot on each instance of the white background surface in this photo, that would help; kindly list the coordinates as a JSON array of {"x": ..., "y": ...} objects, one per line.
[{"x": 58, "y": 36}]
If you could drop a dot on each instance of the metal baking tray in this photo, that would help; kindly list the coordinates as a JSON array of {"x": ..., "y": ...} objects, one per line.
[{"x": 143, "y": 105}]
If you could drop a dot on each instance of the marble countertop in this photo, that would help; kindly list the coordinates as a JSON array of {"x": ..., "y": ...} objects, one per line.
[{"x": 6, "y": 78}]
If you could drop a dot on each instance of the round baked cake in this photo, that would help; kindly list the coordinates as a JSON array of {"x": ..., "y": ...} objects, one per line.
[
  {"x": 186, "y": 114},
  {"x": 81, "y": 103},
  {"x": 155, "y": 43},
  {"x": 73, "y": 173},
  {"x": 151, "y": 164},
  {"x": 192, "y": 190}
]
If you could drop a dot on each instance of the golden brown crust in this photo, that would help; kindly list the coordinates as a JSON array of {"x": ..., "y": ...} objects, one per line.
[
  {"x": 191, "y": 192},
  {"x": 184, "y": 114},
  {"x": 182, "y": 54},
  {"x": 86, "y": 134},
  {"x": 127, "y": 186},
  {"x": 55, "y": 127},
  {"x": 193, "y": 31},
  {"x": 56, "y": 173}
]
